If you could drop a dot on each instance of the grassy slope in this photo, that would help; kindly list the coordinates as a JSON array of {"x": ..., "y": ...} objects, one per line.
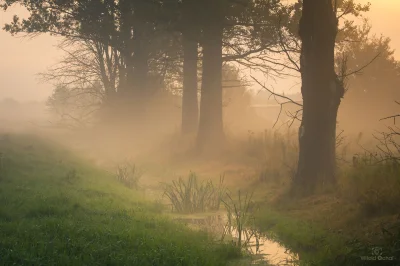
[{"x": 51, "y": 216}]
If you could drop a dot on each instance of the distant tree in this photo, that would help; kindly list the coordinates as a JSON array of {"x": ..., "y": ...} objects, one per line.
[
  {"x": 239, "y": 31},
  {"x": 381, "y": 77},
  {"x": 127, "y": 30},
  {"x": 247, "y": 32},
  {"x": 73, "y": 106},
  {"x": 371, "y": 90}
]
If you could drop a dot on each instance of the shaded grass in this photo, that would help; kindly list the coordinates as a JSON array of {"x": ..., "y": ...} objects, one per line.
[
  {"x": 375, "y": 189},
  {"x": 317, "y": 246},
  {"x": 314, "y": 244},
  {"x": 53, "y": 215},
  {"x": 338, "y": 226}
]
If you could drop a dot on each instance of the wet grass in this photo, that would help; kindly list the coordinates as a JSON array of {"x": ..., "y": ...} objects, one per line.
[{"x": 57, "y": 210}]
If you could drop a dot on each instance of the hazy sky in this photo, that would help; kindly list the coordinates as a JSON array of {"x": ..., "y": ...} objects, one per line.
[{"x": 21, "y": 58}]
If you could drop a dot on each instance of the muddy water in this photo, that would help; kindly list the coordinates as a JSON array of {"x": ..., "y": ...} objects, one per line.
[{"x": 263, "y": 248}]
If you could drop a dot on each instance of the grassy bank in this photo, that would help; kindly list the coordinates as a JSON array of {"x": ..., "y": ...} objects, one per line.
[
  {"x": 57, "y": 210},
  {"x": 318, "y": 245},
  {"x": 337, "y": 225}
]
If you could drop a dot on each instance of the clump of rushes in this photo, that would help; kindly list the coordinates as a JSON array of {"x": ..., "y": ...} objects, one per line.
[
  {"x": 240, "y": 221},
  {"x": 191, "y": 195}
]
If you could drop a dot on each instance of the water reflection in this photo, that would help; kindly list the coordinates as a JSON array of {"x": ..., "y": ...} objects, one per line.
[{"x": 263, "y": 249}]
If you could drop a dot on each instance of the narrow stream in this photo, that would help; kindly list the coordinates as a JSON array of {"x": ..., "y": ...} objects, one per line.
[{"x": 263, "y": 249}]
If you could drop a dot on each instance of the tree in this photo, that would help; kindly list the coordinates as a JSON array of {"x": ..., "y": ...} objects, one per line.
[
  {"x": 190, "y": 40},
  {"x": 73, "y": 106},
  {"x": 322, "y": 93},
  {"x": 239, "y": 31},
  {"x": 128, "y": 27},
  {"x": 210, "y": 132},
  {"x": 308, "y": 40}
]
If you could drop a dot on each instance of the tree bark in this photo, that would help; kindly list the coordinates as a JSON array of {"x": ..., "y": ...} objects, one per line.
[
  {"x": 135, "y": 34},
  {"x": 322, "y": 92},
  {"x": 210, "y": 131},
  {"x": 190, "y": 107}
]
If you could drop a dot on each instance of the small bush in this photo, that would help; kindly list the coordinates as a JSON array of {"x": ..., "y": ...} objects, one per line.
[{"x": 192, "y": 196}]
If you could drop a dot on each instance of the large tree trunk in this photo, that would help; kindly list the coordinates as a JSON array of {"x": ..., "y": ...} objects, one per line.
[
  {"x": 190, "y": 108},
  {"x": 125, "y": 71},
  {"x": 210, "y": 131},
  {"x": 134, "y": 60},
  {"x": 321, "y": 92}
]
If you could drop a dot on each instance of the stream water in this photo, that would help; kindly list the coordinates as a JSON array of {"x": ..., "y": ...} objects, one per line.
[{"x": 263, "y": 248}]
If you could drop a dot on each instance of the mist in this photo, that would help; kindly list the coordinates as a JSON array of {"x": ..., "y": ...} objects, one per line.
[{"x": 199, "y": 133}]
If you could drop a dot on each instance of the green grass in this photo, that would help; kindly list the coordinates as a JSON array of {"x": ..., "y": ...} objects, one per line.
[
  {"x": 317, "y": 246},
  {"x": 55, "y": 209},
  {"x": 313, "y": 243}
]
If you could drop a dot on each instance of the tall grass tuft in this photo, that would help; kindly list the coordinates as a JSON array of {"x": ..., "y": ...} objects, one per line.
[
  {"x": 240, "y": 222},
  {"x": 190, "y": 196},
  {"x": 129, "y": 175}
]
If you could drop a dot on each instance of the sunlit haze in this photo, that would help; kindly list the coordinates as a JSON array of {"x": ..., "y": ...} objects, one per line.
[{"x": 142, "y": 153}]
